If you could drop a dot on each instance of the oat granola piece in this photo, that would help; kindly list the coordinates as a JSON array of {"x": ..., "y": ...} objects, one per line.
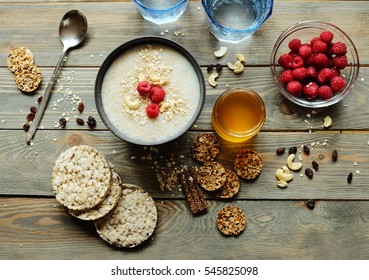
[
  {"x": 248, "y": 164},
  {"x": 81, "y": 178},
  {"x": 27, "y": 77},
  {"x": 132, "y": 221},
  {"x": 205, "y": 147},
  {"x": 191, "y": 189},
  {"x": 211, "y": 176},
  {"x": 107, "y": 204},
  {"x": 231, "y": 220},
  {"x": 230, "y": 187},
  {"x": 18, "y": 56}
]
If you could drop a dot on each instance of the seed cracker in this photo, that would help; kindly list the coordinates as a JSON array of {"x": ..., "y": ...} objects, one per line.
[
  {"x": 18, "y": 56},
  {"x": 81, "y": 178},
  {"x": 248, "y": 164},
  {"x": 231, "y": 220},
  {"x": 231, "y": 185},
  {"x": 27, "y": 77},
  {"x": 205, "y": 147},
  {"x": 108, "y": 203},
  {"x": 211, "y": 175},
  {"x": 132, "y": 221}
]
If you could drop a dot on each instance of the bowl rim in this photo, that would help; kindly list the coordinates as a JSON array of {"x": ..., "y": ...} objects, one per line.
[
  {"x": 159, "y": 10},
  {"x": 355, "y": 65},
  {"x": 125, "y": 47}
]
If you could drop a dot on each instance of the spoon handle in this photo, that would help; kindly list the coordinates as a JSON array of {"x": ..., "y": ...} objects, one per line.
[{"x": 45, "y": 98}]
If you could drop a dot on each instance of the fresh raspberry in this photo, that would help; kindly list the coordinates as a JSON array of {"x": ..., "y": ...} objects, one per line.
[
  {"x": 338, "y": 48},
  {"x": 335, "y": 72},
  {"x": 312, "y": 41},
  {"x": 340, "y": 62},
  {"x": 311, "y": 72},
  {"x": 156, "y": 94},
  {"x": 326, "y": 36},
  {"x": 299, "y": 73},
  {"x": 297, "y": 62},
  {"x": 337, "y": 83},
  {"x": 294, "y": 88},
  {"x": 285, "y": 61},
  {"x": 305, "y": 50},
  {"x": 325, "y": 92},
  {"x": 294, "y": 45},
  {"x": 143, "y": 87},
  {"x": 325, "y": 75},
  {"x": 309, "y": 61},
  {"x": 310, "y": 90},
  {"x": 320, "y": 60},
  {"x": 319, "y": 46},
  {"x": 286, "y": 76},
  {"x": 152, "y": 110}
]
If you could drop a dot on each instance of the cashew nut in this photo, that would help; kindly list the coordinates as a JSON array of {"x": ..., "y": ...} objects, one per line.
[
  {"x": 282, "y": 184},
  {"x": 221, "y": 52},
  {"x": 212, "y": 78},
  {"x": 164, "y": 106},
  {"x": 241, "y": 58},
  {"x": 283, "y": 176},
  {"x": 237, "y": 67},
  {"x": 327, "y": 122},
  {"x": 293, "y": 165},
  {"x": 132, "y": 104}
]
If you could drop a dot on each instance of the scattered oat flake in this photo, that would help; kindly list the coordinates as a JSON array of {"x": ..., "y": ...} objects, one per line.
[{"x": 357, "y": 172}]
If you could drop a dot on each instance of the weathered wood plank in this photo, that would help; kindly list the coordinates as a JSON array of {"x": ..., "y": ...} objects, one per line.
[
  {"x": 351, "y": 113},
  {"x": 37, "y": 228},
  {"x": 34, "y": 164},
  {"x": 113, "y": 24}
]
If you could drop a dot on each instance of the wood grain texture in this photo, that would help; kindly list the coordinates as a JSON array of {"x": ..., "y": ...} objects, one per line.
[{"x": 37, "y": 228}]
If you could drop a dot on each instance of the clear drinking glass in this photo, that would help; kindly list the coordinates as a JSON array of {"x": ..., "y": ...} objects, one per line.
[
  {"x": 235, "y": 20},
  {"x": 161, "y": 11}
]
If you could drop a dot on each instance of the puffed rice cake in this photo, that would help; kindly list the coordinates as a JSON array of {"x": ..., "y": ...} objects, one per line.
[
  {"x": 107, "y": 204},
  {"x": 27, "y": 77},
  {"x": 18, "y": 56},
  {"x": 248, "y": 164},
  {"x": 205, "y": 147},
  {"x": 230, "y": 187},
  {"x": 81, "y": 178},
  {"x": 132, "y": 221},
  {"x": 231, "y": 220},
  {"x": 211, "y": 176}
]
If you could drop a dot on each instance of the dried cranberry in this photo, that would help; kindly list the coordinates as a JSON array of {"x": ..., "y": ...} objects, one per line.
[
  {"x": 30, "y": 117},
  {"x": 80, "y": 121},
  {"x": 292, "y": 150},
  {"x": 26, "y": 127},
  {"x": 219, "y": 67},
  {"x": 306, "y": 150},
  {"x": 310, "y": 204},
  {"x": 315, "y": 165},
  {"x": 280, "y": 151},
  {"x": 81, "y": 107},
  {"x": 62, "y": 122},
  {"x": 33, "y": 109},
  {"x": 39, "y": 99},
  {"x": 334, "y": 155},
  {"x": 91, "y": 122},
  {"x": 309, "y": 173},
  {"x": 349, "y": 178},
  {"x": 210, "y": 68}
]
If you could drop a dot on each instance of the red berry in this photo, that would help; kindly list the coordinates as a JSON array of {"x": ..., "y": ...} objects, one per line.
[
  {"x": 157, "y": 94},
  {"x": 152, "y": 110},
  {"x": 320, "y": 60},
  {"x": 335, "y": 72},
  {"x": 297, "y": 62},
  {"x": 326, "y": 36},
  {"x": 305, "y": 50},
  {"x": 325, "y": 92},
  {"x": 143, "y": 87},
  {"x": 310, "y": 90},
  {"x": 325, "y": 75},
  {"x": 285, "y": 61},
  {"x": 340, "y": 62},
  {"x": 286, "y": 76},
  {"x": 294, "y": 88},
  {"x": 299, "y": 73},
  {"x": 295, "y": 44},
  {"x": 319, "y": 46},
  {"x": 339, "y": 48},
  {"x": 337, "y": 83},
  {"x": 311, "y": 72}
]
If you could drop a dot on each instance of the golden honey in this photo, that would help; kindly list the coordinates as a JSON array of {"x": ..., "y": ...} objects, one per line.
[{"x": 238, "y": 114}]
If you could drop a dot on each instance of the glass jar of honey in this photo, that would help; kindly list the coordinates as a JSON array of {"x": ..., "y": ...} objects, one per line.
[{"x": 238, "y": 114}]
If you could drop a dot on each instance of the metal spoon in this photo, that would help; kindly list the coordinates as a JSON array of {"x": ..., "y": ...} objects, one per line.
[{"x": 72, "y": 31}]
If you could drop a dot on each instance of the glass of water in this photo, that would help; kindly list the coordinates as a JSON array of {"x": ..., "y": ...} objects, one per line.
[
  {"x": 161, "y": 11},
  {"x": 236, "y": 20}
]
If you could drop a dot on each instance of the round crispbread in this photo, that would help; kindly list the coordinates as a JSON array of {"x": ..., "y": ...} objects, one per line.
[
  {"x": 81, "y": 178},
  {"x": 211, "y": 176},
  {"x": 205, "y": 147},
  {"x": 231, "y": 220},
  {"x": 132, "y": 221},
  {"x": 248, "y": 164},
  {"x": 107, "y": 204},
  {"x": 27, "y": 77},
  {"x": 18, "y": 56},
  {"x": 231, "y": 185}
]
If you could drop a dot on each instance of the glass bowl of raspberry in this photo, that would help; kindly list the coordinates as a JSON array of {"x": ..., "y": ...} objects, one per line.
[{"x": 314, "y": 64}]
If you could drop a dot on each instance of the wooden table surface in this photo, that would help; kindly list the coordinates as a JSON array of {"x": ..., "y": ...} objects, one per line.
[{"x": 34, "y": 226}]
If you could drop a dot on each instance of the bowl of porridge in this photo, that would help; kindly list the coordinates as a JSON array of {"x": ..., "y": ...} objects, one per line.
[{"x": 149, "y": 91}]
